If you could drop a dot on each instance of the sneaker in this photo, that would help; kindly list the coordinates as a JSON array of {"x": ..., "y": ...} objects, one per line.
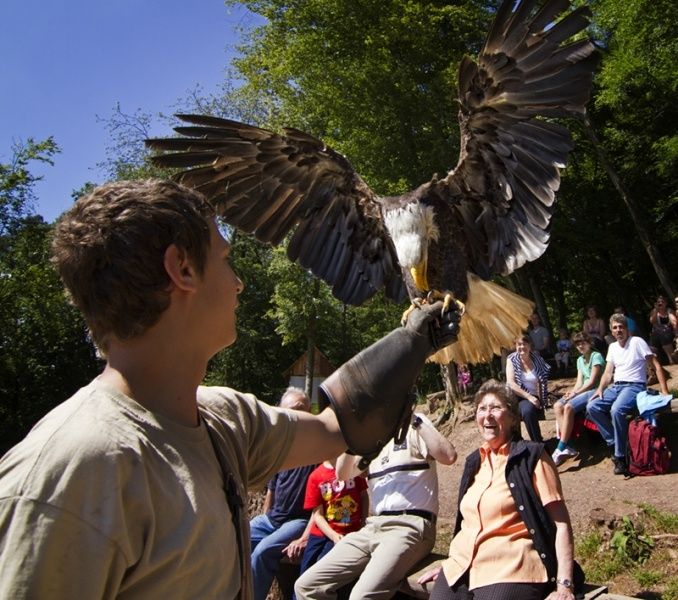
[
  {"x": 619, "y": 465},
  {"x": 560, "y": 456},
  {"x": 556, "y": 457}
]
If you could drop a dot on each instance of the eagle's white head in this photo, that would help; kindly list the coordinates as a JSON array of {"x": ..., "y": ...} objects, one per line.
[{"x": 411, "y": 228}]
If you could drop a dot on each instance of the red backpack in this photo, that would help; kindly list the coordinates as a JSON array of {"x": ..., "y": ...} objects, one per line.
[{"x": 649, "y": 452}]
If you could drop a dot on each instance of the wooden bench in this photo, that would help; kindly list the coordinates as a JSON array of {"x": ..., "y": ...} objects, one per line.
[
  {"x": 411, "y": 589},
  {"x": 409, "y": 585}
]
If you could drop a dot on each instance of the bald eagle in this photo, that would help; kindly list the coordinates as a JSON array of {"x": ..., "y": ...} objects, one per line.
[{"x": 489, "y": 215}]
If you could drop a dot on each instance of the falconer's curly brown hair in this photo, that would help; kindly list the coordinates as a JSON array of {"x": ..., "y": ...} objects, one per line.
[{"x": 109, "y": 250}]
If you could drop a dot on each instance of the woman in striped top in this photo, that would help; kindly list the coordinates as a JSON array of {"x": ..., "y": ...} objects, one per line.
[{"x": 527, "y": 375}]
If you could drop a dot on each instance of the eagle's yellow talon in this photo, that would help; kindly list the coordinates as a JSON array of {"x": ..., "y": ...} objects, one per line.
[
  {"x": 461, "y": 307},
  {"x": 416, "y": 303},
  {"x": 447, "y": 299}
]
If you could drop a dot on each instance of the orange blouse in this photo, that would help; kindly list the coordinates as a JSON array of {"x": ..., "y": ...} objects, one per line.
[{"x": 493, "y": 543}]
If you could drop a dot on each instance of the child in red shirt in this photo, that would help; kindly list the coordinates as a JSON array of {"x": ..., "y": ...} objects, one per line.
[{"x": 339, "y": 507}]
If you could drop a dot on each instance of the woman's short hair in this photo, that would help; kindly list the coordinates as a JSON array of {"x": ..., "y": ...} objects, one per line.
[
  {"x": 109, "y": 250},
  {"x": 506, "y": 396},
  {"x": 525, "y": 339},
  {"x": 581, "y": 336}
]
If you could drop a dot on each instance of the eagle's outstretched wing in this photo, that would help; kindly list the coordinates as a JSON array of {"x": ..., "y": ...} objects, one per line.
[
  {"x": 270, "y": 185},
  {"x": 502, "y": 190}
]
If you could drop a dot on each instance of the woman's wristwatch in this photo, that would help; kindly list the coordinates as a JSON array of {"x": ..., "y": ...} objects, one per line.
[{"x": 566, "y": 583}]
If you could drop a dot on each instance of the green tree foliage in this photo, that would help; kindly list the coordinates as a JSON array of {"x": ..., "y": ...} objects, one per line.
[
  {"x": 44, "y": 351},
  {"x": 638, "y": 85},
  {"x": 376, "y": 80},
  {"x": 257, "y": 360},
  {"x": 17, "y": 195},
  {"x": 596, "y": 255}
]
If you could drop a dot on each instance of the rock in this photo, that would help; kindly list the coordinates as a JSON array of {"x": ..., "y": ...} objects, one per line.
[{"x": 601, "y": 518}]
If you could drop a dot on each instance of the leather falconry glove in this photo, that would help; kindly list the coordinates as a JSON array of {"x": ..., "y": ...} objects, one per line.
[{"x": 371, "y": 393}]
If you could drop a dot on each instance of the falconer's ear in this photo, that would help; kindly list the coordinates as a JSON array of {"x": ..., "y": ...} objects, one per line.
[{"x": 180, "y": 269}]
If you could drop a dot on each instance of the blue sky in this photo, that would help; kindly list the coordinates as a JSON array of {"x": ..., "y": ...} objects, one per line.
[{"x": 63, "y": 62}]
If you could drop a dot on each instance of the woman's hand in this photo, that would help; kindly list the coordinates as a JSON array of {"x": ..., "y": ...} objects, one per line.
[
  {"x": 534, "y": 400},
  {"x": 431, "y": 575},
  {"x": 561, "y": 593}
]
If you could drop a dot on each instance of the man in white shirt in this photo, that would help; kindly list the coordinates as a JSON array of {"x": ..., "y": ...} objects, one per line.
[
  {"x": 403, "y": 488},
  {"x": 626, "y": 371}
]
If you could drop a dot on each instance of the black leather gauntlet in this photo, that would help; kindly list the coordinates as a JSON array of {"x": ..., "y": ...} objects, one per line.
[{"x": 371, "y": 393}]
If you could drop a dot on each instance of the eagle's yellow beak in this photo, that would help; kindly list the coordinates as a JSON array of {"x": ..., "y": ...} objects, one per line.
[{"x": 419, "y": 275}]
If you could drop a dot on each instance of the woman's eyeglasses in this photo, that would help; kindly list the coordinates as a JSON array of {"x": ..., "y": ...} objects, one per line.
[{"x": 495, "y": 411}]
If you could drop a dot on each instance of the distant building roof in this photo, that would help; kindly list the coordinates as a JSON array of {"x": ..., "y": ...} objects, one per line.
[{"x": 322, "y": 366}]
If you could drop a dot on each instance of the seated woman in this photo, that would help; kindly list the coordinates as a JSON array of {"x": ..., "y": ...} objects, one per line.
[
  {"x": 527, "y": 375},
  {"x": 594, "y": 327},
  {"x": 513, "y": 537},
  {"x": 664, "y": 328},
  {"x": 590, "y": 367}
]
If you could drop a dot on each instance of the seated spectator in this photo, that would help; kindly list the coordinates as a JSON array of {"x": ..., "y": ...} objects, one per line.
[
  {"x": 630, "y": 323},
  {"x": 339, "y": 507},
  {"x": 590, "y": 367},
  {"x": 527, "y": 375},
  {"x": 562, "y": 356},
  {"x": 403, "y": 485},
  {"x": 540, "y": 336},
  {"x": 594, "y": 327},
  {"x": 625, "y": 376},
  {"x": 284, "y": 527},
  {"x": 664, "y": 328},
  {"x": 512, "y": 537},
  {"x": 463, "y": 379}
]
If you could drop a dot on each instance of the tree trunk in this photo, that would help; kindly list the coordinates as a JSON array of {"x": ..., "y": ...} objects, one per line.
[
  {"x": 311, "y": 333},
  {"x": 632, "y": 206},
  {"x": 559, "y": 295},
  {"x": 448, "y": 373},
  {"x": 310, "y": 365},
  {"x": 540, "y": 301}
]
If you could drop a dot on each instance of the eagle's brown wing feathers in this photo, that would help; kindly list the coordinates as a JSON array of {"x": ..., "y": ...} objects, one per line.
[
  {"x": 271, "y": 185},
  {"x": 501, "y": 193},
  {"x": 508, "y": 171}
]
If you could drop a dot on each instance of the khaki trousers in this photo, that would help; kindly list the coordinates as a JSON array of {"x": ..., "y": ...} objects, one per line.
[{"x": 379, "y": 555}]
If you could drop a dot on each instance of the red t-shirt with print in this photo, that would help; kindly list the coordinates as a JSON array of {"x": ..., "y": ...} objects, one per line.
[{"x": 341, "y": 500}]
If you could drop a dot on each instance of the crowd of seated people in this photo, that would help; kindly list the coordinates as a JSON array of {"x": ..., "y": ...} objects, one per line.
[
  {"x": 513, "y": 537},
  {"x": 372, "y": 554},
  {"x": 661, "y": 329}
]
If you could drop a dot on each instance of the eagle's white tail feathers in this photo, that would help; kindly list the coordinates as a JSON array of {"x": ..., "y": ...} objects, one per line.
[{"x": 494, "y": 318}]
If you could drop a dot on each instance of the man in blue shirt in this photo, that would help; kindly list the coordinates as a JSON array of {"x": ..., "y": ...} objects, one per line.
[{"x": 283, "y": 528}]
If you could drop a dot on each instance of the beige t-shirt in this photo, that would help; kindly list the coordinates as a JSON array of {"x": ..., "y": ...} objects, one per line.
[{"x": 104, "y": 499}]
